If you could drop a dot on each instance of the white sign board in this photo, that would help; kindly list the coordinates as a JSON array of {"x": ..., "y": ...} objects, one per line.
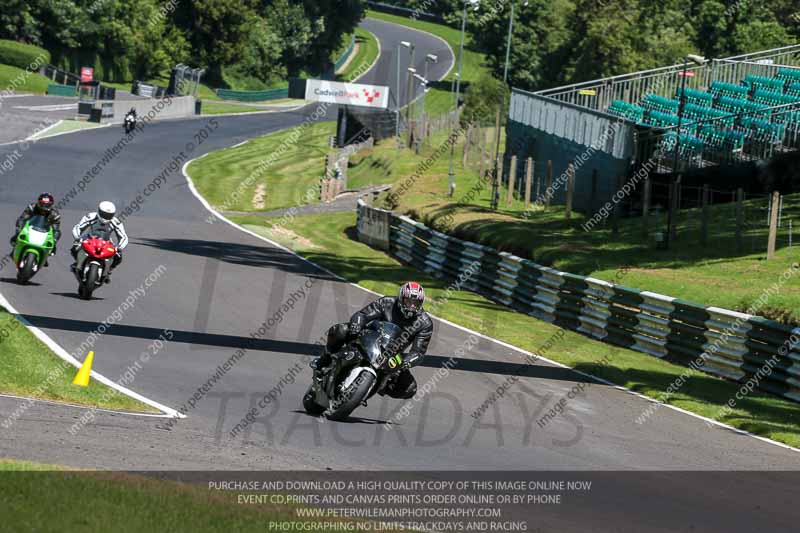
[
  {"x": 373, "y": 226},
  {"x": 347, "y": 93}
]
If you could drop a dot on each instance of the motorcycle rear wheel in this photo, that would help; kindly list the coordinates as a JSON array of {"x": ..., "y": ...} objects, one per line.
[{"x": 347, "y": 400}]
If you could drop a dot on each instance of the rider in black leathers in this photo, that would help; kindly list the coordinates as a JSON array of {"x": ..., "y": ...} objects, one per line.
[
  {"x": 405, "y": 311},
  {"x": 43, "y": 206}
]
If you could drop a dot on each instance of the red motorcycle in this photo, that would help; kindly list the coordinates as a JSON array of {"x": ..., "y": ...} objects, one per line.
[{"x": 94, "y": 259}]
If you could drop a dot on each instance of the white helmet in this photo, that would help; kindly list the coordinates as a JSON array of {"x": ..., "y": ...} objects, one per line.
[{"x": 106, "y": 210}]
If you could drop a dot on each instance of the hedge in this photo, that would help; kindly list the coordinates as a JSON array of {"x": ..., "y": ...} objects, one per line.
[{"x": 24, "y": 56}]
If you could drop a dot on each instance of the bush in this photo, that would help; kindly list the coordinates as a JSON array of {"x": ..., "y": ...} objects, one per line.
[
  {"x": 24, "y": 56},
  {"x": 771, "y": 312}
]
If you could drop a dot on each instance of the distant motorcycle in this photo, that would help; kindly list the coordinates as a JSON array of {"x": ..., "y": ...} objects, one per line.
[
  {"x": 93, "y": 260},
  {"x": 129, "y": 123},
  {"x": 35, "y": 243},
  {"x": 363, "y": 368}
]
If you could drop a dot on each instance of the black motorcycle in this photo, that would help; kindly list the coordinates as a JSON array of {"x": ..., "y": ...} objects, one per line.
[
  {"x": 363, "y": 368},
  {"x": 129, "y": 123}
]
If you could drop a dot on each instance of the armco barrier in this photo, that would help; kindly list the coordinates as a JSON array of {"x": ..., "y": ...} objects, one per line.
[
  {"x": 253, "y": 96},
  {"x": 721, "y": 342},
  {"x": 56, "y": 89}
]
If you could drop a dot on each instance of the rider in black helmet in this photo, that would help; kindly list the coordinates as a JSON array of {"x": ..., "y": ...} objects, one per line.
[
  {"x": 406, "y": 311},
  {"x": 44, "y": 206}
]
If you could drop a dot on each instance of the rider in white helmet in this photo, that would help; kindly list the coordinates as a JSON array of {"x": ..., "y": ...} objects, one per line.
[{"x": 104, "y": 216}]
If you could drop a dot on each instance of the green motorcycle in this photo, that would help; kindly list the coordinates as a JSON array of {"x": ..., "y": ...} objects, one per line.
[{"x": 35, "y": 243}]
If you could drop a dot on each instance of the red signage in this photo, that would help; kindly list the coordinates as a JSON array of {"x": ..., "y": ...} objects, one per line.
[
  {"x": 686, "y": 73},
  {"x": 87, "y": 74}
]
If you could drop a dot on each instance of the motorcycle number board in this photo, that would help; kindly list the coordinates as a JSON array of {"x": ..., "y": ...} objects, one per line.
[{"x": 357, "y": 94}]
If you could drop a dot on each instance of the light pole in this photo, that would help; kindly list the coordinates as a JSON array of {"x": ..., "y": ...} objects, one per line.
[
  {"x": 495, "y": 172},
  {"x": 412, "y": 73},
  {"x": 451, "y": 175},
  {"x": 430, "y": 58},
  {"x": 410, "y": 46},
  {"x": 698, "y": 60}
]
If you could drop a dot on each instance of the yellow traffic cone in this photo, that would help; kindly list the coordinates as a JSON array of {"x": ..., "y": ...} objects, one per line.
[{"x": 82, "y": 377}]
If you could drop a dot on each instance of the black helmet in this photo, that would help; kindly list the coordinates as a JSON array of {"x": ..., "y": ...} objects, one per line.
[
  {"x": 410, "y": 299},
  {"x": 45, "y": 202}
]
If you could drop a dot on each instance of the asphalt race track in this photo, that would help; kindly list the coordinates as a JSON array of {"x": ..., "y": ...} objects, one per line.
[{"x": 219, "y": 285}]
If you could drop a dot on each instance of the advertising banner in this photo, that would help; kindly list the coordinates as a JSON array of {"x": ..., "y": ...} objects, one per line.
[{"x": 356, "y": 94}]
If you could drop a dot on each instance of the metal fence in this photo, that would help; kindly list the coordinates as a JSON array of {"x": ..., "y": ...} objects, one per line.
[
  {"x": 598, "y": 94},
  {"x": 721, "y": 342}
]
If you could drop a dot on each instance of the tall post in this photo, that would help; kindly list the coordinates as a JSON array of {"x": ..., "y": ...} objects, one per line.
[
  {"x": 502, "y": 106},
  {"x": 512, "y": 175},
  {"x": 704, "y": 216},
  {"x": 548, "y": 182},
  {"x": 397, "y": 97},
  {"x": 495, "y": 177},
  {"x": 451, "y": 175},
  {"x": 648, "y": 186},
  {"x": 675, "y": 156},
  {"x": 528, "y": 179},
  {"x": 739, "y": 220},
  {"x": 570, "y": 189},
  {"x": 773, "y": 225}
]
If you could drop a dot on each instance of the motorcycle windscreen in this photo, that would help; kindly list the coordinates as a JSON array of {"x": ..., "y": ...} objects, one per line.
[
  {"x": 381, "y": 341},
  {"x": 39, "y": 223}
]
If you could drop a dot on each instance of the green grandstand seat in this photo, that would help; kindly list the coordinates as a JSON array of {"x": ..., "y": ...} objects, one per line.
[
  {"x": 772, "y": 98},
  {"x": 660, "y": 120},
  {"x": 794, "y": 90},
  {"x": 654, "y": 102},
  {"x": 624, "y": 109},
  {"x": 789, "y": 75},
  {"x": 721, "y": 88},
  {"x": 762, "y": 130},
  {"x": 695, "y": 96},
  {"x": 763, "y": 82}
]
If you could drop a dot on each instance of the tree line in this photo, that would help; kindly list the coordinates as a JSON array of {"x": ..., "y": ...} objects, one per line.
[
  {"x": 247, "y": 44},
  {"x": 558, "y": 42}
]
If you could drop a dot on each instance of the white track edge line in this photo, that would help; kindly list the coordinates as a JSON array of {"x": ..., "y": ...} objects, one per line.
[
  {"x": 220, "y": 216},
  {"x": 79, "y": 406},
  {"x": 63, "y": 354},
  {"x": 375, "y": 61}
]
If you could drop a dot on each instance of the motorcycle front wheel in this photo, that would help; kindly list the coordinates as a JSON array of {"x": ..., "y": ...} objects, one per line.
[
  {"x": 28, "y": 268},
  {"x": 348, "y": 399},
  {"x": 86, "y": 287},
  {"x": 310, "y": 404}
]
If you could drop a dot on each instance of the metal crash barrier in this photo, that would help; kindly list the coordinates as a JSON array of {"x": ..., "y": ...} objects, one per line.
[{"x": 717, "y": 341}]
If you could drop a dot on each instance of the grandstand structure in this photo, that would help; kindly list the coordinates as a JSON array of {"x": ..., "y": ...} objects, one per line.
[{"x": 735, "y": 109}]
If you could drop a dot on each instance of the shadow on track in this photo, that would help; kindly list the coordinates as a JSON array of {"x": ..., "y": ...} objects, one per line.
[
  {"x": 14, "y": 281},
  {"x": 239, "y": 254},
  {"x": 521, "y": 370}
]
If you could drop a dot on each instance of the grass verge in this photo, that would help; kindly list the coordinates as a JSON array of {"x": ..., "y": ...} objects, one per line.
[
  {"x": 223, "y": 176},
  {"x": 66, "y": 126},
  {"x": 22, "y": 81},
  {"x": 78, "y": 501},
  {"x": 328, "y": 241},
  {"x": 367, "y": 49},
  {"x": 27, "y": 364},
  {"x": 220, "y": 108}
]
